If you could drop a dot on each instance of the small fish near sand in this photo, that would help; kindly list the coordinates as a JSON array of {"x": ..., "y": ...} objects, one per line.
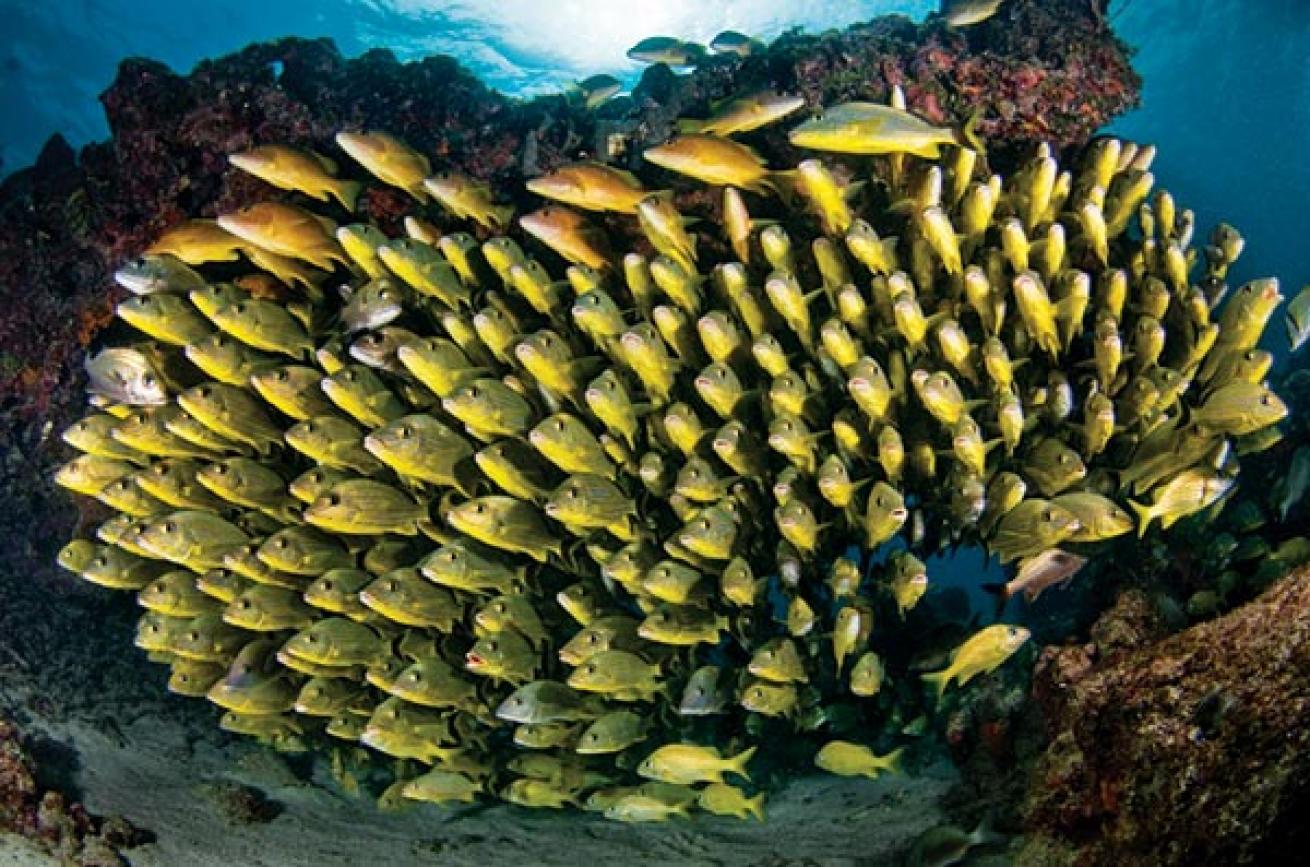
[{"x": 945, "y": 845}]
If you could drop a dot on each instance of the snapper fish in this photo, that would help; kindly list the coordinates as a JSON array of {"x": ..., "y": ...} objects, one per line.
[
  {"x": 162, "y": 272},
  {"x": 982, "y": 653},
  {"x": 667, "y": 50},
  {"x": 389, "y": 160},
  {"x": 745, "y": 113},
  {"x": 302, "y": 171},
  {"x": 966, "y": 13},
  {"x": 869, "y": 128},
  {"x": 125, "y": 375},
  {"x": 1051, "y": 568}
]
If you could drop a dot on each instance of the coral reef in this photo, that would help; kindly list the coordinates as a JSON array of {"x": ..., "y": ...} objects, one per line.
[
  {"x": 1192, "y": 749},
  {"x": 45, "y": 816}
]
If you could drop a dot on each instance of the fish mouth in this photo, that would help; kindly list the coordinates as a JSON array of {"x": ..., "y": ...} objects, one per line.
[
  {"x": 900, "y": 514},
  {"x": 136, "y": 284},
  {"x": 473, "y": 660}
]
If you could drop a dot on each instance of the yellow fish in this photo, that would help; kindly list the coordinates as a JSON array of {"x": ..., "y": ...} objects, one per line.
[
  {"x": 467, "y": 198},
  {"x": 289, "y": 168},
  {"x": 713, "y": 160},
  {"x": 982, "y": 653},
  {"x": 388, "y": 159},
  {"x": 869, "y": 128},
  {"x": 591, "y": 186},
  {"x": 570, "y": 235}
]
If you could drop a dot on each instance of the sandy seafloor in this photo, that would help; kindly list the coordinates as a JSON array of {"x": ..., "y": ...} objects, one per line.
[{"x": 162, "y": 775}]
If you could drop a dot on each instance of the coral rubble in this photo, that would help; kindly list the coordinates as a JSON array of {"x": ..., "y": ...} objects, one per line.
[{"x": 45, "y": 816}]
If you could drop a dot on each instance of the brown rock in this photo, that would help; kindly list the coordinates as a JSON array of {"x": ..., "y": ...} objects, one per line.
[{"x": 1191, "y": 750}]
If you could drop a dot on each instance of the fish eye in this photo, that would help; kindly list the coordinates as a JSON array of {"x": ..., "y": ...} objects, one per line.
[
  {"x": 474, "y": 391},
  {"x": 406, "y": 431},
  {"x": 221, "y": 469},
  {"x": 1264, "y": 399},
  {"x": 559, "y": 425},
  {"x": 170, "y": 527},
  {"x": 281, "y": 544},
  {"x": 239, "y": 308},
  {"x": 334, "y": 499},
  {"x": 1048, "y": 515},
  {"x": 493, "y": 646},
  {"x": 193, "y": 636}
]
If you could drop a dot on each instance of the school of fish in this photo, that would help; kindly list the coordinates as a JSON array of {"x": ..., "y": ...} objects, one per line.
[{"x": 546, "y": 518}]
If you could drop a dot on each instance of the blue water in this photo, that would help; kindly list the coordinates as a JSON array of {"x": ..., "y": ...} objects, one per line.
[{"x": 1227, "y": 95}]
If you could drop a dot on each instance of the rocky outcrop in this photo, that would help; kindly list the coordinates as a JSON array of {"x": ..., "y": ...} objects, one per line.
[{"x": 1191, "y": 750}]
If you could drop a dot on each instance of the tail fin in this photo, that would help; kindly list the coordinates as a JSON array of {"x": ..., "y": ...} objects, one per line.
[
  {"x": 502, "y": 214},
  {"x": 755, "y": 806},
  {"x": 970, "y": 132},
  {"x": 939, "y": 679},
  {"x": 1144, "y": 517},
  {"x": 737, "y": 764},
  {"x": 984, "y": 835},
  {"x": 347, "y": 193},
  {"x": 783, "y": 182},
  {"x": 892, "y": 761}
]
